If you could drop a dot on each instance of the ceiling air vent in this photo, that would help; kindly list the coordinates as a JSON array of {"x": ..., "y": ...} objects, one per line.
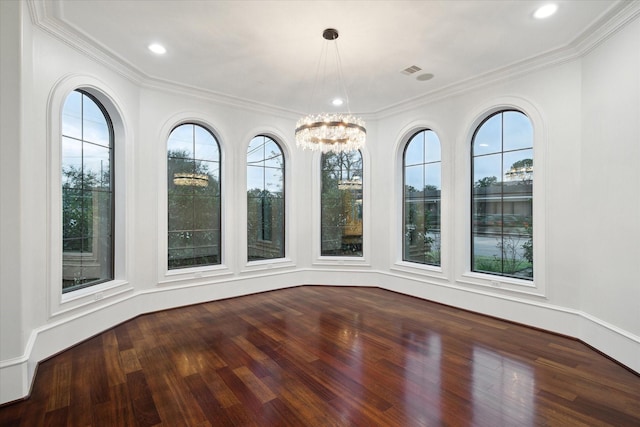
[{"x": 410, "y": 70}]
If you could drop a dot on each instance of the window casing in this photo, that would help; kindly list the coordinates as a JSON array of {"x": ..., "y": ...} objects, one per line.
[
  {"x": 341, "y": 204},
  {"x": 422, "y": 183},
  {"x": 265, "y": 200},
  {"x": 87, "y": 192},
  {"x": 502, "y": 196},
  {"x": 193, "y": 197}
]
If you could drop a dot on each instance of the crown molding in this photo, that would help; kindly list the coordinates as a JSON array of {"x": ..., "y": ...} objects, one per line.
[
  {"x": 605, "y": 26},
  {"x": 608, "y": 23},
  {"x": 217, "y": 97},
  {"x": 44, "y": 16}
]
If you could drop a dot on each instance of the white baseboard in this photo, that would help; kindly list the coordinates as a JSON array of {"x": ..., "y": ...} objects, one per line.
[{"x": 16, "y": 374}]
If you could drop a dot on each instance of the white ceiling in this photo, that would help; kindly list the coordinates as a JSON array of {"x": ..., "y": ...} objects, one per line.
[{"x": 268, "y": 51}]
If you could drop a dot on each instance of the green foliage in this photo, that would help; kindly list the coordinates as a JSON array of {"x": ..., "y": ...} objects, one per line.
[
  {"x": 524, "y": 163},
  {"x": 485, "y": 182},
  {"x": 77, "y": 207},
  {"x": 528, "y": 245}
]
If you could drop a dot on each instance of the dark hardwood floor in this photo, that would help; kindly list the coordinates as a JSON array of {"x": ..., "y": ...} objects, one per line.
[{"x": 327, "y": 356}]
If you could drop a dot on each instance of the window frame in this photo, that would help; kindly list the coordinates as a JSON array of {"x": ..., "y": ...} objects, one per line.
[
  {"x": 220, "y": 210},
  {"x": 482, "y": 282},
  {"x": 187, "y": 276},
  {"x": 329, "y": 262},
  {"x": 363, "y": 211},
  {"x": 403, "y": 166},
  {"x": 501, "y": 275},
  {"x": 112, "y": 188},
  {"x": 284, "y": 218},
  {"x": 103, "y": 293}
]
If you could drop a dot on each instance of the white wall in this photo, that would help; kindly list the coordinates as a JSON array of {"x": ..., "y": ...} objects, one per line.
[
  {"x": 11, "y": 344},
  {"x": 578, "y": 108},
  {"x": 609, "y": 208}
]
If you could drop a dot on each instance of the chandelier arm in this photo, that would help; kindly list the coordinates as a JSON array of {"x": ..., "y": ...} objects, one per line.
[
  {"x": 341, "y": 78},
  {"x": 323, "y": 53}
]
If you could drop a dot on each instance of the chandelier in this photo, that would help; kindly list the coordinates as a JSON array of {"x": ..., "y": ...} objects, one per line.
[{"x": 331, "y": 132}]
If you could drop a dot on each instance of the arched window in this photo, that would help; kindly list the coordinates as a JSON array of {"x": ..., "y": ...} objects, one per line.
[
  {"x": 341, "y": 204},
  {"x": 421, "y": 207},
  {"x": 502, "y": 196},
  {"x": 265, "y": 199},
  {"x": 193, "y": 195},
  {"x": 87, "y": 193}
]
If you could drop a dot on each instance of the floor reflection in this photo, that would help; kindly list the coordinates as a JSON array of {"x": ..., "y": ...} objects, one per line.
[
  {"x": 422, "y": 380},
  {"x": 503, "y": 389}
]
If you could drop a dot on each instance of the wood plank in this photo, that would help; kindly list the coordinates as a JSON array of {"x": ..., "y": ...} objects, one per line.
[{"x": 327, "y": 356}]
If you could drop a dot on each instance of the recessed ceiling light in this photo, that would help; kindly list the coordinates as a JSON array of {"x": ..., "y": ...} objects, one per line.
[
  {"x": 158, "y": 49},
  {"x": 545, "y": 11},
  {"x": 337, "y": 102}
]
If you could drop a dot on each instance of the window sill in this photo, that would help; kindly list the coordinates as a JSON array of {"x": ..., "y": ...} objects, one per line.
[
  {"x": 341, "y": 261},
  {"x": 194, "y": 273},
  {"x": 414, "y": 268},
  {"x": 268, "y": 264},
  {"x": 501, "y": 283},
  {"x": 74, "y": 300}
]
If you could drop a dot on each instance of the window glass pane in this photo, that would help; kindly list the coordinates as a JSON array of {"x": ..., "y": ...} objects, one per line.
[
  {"x": 180, "y": 174},
  {"x": 205, "y": 146},
  {"x": 72, "y": 116},
  {"x": 94, "y": 124},
  {"x": 518, "y": 166},
  {"x": 204, "y": 213},
  {"x": 421, "y": 216},
  {"x": 180, "y": 239},
  {"x": 265, "y": 199},
  {"x": 87, "y": 200},
  {"x": 75, "y": 224},
  {"x": 96, "y": 159},
  {"x": 71, "y": 163},
  {"x": 341, "y": 204},
  {"x": 181, "y": 258},
  {"x": 205, "y": 238},
  {"x": 180, "y": 213},
  {"x": 414, "y": 180},
  {"x": 193, "y": 172},
  {"x": 206, "y": 178},
  {"x": 255, "y": 152},
  {"x": 487, "y": 173},
  {"x": 502, "y": 229},
  {"x": 255, "y": 178},
  {"x": 432, "y": 177},
  {"x": 273, "y": 155},
  {"x": 273, "y": 180},
  {"x": 180, "y": 143},
  {"x": 488, "y": 139},
  {"x": 414, "y": 153},
  {"x": 518, "y": 132},
  {"x": 432, "y": 147}
]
